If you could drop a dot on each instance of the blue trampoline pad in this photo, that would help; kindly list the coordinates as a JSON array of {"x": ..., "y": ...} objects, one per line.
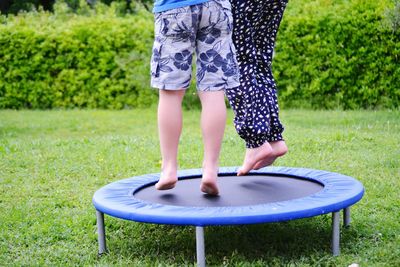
[{"x": 271, "y": 194}]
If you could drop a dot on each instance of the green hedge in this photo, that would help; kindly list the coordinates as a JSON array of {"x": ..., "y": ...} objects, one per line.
[
  {"x": 329, "y": 54},
  {"x": 338, "y": 54},
  {"x": 98, "y": 59},
  {"x": 16, "y": 6}
]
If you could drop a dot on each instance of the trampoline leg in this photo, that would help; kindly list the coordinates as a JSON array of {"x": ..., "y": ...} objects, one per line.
[
  {"x": 201, "y": 259},
  {"x": 336, "y": 233},
  {"x": 101, "y": 232},
  {"x": 346, "y": 217}
]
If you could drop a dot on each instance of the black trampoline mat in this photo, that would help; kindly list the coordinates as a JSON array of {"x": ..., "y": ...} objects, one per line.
[{"x": 233, "y": 191}]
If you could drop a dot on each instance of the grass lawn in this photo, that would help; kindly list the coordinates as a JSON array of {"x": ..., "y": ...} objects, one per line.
[{"x": 51, "y": 163}]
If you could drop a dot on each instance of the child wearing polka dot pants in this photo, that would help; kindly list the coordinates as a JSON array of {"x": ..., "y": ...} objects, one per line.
[{"x": 255, "y": 102}]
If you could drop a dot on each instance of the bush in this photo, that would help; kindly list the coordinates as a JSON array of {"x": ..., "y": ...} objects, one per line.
[
  {"x": 16, "y": 6},
  {"x": 329, "y": 54},
  {"x": 337, "y": 54},
  {"x": 95, "y": 60}
]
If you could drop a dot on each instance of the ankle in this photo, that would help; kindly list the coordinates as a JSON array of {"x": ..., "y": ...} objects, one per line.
[
  {"x": 267, "y": 149},
  {"x": 262, "y": 151},
  {"x": 210, "y": 167},
  {"x": 169, "y": 165},
  {"x": 279, "y": 148}
]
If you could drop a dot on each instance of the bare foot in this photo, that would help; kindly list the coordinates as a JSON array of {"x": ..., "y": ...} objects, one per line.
[
  {"x": 279, "y": 149},
  {"x": 254, "y": 155},
  {"x": 209, "y": 183},
  {"x": 167, "y": 180}
]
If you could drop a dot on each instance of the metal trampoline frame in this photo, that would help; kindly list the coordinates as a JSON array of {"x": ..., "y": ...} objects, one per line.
[{"x": 199, "y": 229}]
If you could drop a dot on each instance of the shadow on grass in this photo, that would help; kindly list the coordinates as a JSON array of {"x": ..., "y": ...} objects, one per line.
[{"x": 286, "y": 241}]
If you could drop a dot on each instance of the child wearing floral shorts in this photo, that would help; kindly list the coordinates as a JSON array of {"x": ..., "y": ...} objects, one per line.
[{"x": 184, "y": 28}]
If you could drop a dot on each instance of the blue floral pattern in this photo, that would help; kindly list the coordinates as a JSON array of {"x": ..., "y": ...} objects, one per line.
[
  {"x": 183, "y": 60},
  {"x": 230, "y": 68},
  {"x": 209, "y": 34},
  {"x": 204, "y": 29}
]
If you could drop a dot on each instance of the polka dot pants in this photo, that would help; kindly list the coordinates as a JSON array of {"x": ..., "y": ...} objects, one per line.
[{"x": 255, "y": 102}]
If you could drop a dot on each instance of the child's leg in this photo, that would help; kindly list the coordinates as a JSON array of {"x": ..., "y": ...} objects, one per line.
[
  {"x": 217, "y": 70},
  {"x": 169, "y": 128},
  {"x": 257, "y": 33},
  {"x": 275, "y": 138},
  {"x": 213, "y": 120},
  {"x": 273, "y": 147}
]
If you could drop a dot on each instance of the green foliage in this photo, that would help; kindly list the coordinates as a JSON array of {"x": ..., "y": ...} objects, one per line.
[
  {"x": 96, "y": 59},
  {"x": 17, "y": 6},
  {"x": 334, "y": 54},
  {"x": 329, "y": 54},
  {"x": 392, "y": 18}
]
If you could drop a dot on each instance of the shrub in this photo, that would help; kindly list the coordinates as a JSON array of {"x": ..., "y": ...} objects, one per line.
[
  {"x": 96, "y": 60},
  {"x": 336, "y": 54},
  {"x": 16, "y": 6},
  {"x": 329, "y": 54},
  {"x": 392, "y": 18}
]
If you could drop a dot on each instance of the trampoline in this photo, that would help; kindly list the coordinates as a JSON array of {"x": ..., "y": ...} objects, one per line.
[{"x": 271, "y": 194}]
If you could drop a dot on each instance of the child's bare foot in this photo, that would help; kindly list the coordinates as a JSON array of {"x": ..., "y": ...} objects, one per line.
[
  {"x": 167, "y": 180},
  {"x": 279, "y": 149},
  {"x": 254, "y": 155},
  {"x": 209, "y": 182}
]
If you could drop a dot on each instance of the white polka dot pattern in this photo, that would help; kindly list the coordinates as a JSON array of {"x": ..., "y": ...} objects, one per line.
[{"x": 255, "y": 102}]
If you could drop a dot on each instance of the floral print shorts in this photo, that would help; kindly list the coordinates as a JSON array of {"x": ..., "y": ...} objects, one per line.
[{"x": 205, "y": 29}]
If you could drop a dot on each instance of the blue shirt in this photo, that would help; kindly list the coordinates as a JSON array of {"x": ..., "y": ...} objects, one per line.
[{"x": 163, "y": 5}]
